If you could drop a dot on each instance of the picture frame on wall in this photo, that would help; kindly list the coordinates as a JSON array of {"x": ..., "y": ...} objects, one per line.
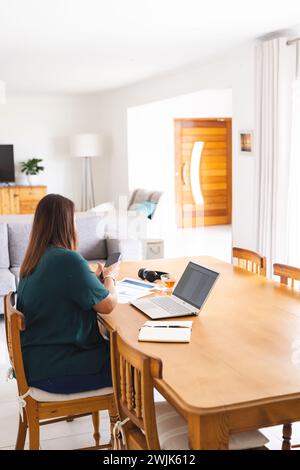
[{"x": 246, "y": 142}]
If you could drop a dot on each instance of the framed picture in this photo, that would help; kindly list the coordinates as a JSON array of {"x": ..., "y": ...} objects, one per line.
[{"x": 246, "y": 142}]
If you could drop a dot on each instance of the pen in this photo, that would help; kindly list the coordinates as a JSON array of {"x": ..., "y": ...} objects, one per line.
[{"x": 164, "y": 326}]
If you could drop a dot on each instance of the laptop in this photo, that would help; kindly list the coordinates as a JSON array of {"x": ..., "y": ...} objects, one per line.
[{"x": 188, "y": 297}]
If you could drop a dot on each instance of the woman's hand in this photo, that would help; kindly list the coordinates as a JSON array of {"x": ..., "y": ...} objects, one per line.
[
  {"x": 99, "y": 270},
  {"x": 112, "y": 270},
  {"x": 109, "y": 274}
]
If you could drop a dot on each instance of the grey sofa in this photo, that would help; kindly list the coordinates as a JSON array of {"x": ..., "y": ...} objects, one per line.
[{"x": 93, "y": 246}]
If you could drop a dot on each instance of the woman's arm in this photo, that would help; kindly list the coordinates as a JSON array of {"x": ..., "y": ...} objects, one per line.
[{"x": 109, "y": 275}]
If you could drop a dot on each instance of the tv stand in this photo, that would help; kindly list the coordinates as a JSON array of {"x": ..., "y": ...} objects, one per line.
[{"x": 16, "y": 200}]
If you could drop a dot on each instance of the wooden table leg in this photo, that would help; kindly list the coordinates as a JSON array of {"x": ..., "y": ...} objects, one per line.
[
  {"x": 286, "y": 436},
  {"x": 208, "y": 432}
]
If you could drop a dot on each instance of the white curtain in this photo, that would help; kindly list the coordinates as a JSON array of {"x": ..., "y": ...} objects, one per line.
[
  {"x": 274, "y": 76},
  {"x": 293, "y": 222}
]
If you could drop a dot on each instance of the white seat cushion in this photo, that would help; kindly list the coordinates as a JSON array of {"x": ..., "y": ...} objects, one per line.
[
  {"x": 173, "y": 432},
  {"x": 157, "y": 396},
  {"x": 40, "y": 395}
]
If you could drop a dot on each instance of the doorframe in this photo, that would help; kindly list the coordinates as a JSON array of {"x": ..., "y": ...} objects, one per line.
[{"x": 178, "y": 169}]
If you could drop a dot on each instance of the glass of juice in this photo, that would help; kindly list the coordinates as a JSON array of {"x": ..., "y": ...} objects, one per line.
[{"x": 168, "y": 282}]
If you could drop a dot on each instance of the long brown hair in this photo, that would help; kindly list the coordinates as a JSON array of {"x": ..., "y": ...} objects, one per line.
[{"x": 53, "y": 224}]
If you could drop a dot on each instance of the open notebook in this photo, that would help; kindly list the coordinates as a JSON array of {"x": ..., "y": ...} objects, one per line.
[{"x": 166, "y": 331}]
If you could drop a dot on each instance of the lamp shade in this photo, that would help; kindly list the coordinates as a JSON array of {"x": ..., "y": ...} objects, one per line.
[
  {"x": 86, "y": 145},
  {"x": 2, "y": 92}
]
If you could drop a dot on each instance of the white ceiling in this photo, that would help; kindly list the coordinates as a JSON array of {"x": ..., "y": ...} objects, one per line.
[{"x": 79, "y": 46}]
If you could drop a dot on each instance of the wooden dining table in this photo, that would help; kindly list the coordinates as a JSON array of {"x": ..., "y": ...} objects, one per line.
[{"x": 240, "y": 371}]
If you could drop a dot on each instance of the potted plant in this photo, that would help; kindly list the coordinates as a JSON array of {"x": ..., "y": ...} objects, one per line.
[{"x": 32, "y": 168}]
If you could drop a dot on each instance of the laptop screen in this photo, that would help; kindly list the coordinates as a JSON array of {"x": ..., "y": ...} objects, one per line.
[{"x": 195, "y": 284}]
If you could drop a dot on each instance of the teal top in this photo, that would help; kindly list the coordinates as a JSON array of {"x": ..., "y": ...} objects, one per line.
[{"x": 61, "y": 336}]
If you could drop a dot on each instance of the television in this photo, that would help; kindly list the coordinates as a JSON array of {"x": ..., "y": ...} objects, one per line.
[{"x": 7, "y": 166}]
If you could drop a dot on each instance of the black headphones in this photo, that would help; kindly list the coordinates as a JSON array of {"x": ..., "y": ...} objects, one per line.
[{"x": 151, "y": 276}]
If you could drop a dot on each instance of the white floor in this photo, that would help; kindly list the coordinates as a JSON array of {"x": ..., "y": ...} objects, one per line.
[{"x": 213, "y": 241}]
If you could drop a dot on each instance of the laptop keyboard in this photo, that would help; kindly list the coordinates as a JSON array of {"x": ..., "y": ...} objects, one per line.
[{"x": 170, "y": 305}]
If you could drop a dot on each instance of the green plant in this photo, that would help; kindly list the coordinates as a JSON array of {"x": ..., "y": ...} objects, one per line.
[{"x": 31, "y": 166}]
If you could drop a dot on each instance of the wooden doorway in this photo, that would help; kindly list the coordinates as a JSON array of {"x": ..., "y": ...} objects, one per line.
[{"x": 203, "y": 153}]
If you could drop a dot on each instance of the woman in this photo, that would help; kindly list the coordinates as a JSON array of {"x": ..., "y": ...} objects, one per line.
[{"x": 60, "y": 296}]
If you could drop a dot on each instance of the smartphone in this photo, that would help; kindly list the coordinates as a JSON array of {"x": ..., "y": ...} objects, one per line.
[{"x": 112, "y": 259}]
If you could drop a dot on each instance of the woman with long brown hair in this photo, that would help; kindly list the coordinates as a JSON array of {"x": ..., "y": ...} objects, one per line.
[{"x": 60, "y": 296}]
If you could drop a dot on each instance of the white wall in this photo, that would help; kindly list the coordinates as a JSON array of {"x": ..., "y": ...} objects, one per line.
[
  {"x": 40, "y": 126},
  {"x": 234, "y": 71},
  {"x": 151, "y": 142}
]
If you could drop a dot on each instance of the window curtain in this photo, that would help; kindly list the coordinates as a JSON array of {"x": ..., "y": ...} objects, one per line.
[
  {"x": 274, "y": 77},
  {"x": 293, "y": 223}
]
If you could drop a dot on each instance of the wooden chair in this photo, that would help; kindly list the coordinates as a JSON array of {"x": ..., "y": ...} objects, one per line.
[
  {"x": 40, "y": 408},
  {"x": 287, "y": 274},
  {"x": 146, "y": 425},
  {"x": 250, "y": 261}
]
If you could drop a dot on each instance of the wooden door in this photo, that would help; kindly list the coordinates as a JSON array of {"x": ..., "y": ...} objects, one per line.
[{"x": 203, "y": 171}]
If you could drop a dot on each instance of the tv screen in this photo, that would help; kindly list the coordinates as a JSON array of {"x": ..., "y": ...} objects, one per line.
[{"x": 7, "y": 167}]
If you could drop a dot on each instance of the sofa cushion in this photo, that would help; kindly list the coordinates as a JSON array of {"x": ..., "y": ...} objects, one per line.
[
  {"x": 18, "y": 238},
  {"x": 92, "y": 244},
  {"x": 42, "y": 396},
  {"x": 141, "y": 195},
  {"x": 4, "y": 255},
  {"x": 7, "y": 282}
]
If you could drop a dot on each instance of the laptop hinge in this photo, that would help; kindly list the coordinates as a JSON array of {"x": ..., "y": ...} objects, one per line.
[{"x": 185, "y": 304}]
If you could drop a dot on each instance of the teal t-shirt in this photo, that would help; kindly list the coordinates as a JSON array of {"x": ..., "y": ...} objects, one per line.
[{"x": 62, "y": 336}]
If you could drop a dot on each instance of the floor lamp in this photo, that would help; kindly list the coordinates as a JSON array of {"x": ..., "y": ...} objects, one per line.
[{"x": 87, "y": 146}]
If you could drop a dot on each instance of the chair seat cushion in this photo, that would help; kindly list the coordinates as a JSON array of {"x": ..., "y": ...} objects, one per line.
[
  {"x": 40, "y": 395},
  {"x": 173, "y": 432},
  {"x": 7, "y": 281},
  {"x": 146, "y": 207}
]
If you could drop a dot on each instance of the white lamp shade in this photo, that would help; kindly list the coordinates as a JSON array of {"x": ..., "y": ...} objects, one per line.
[
  {"x": 2, "y": 92},
  {"x": 86, "y": 145}
]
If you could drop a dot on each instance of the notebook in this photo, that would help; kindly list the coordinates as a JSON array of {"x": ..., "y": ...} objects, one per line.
[{"x": 166, "y": 331}]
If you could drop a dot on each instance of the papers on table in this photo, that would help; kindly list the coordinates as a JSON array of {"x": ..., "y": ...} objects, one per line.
[
  {"x": 130, "y": 289},
  {"x": 166, "y": 331}
]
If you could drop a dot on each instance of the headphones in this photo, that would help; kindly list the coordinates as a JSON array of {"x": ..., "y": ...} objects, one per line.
[{"x": 150, "y": 276}]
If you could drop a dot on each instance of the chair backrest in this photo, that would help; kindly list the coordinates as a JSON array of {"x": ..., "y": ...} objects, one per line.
[
  {"x": 133, "y": 374},
  {"x": 250, "y": 261},
  {"x": 286, "y": 273},
  {"x": 14, "y": 323}
]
